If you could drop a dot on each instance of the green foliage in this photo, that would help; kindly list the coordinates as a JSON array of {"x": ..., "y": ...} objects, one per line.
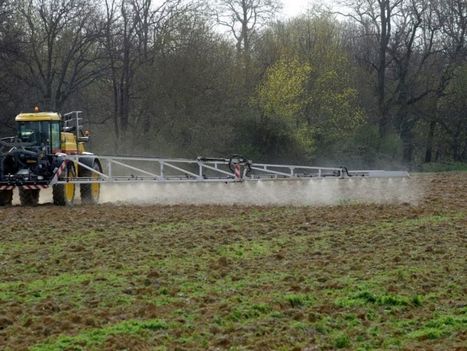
[
  {"x": 274, "y": 139},
  {"x": 365, "y": 148},
  {"x": 391, "y": 146},
  {"x": 282, "y": 93},
  {"x": 312, "y": 89},
  {"x": 333, "y": 107},
  {"x": 453, "y": 104},
  {"x": 443, "y": 167},
  {"x": 304, "y": 137}
]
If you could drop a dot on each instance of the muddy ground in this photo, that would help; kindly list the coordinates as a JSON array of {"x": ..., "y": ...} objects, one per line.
[{"x": 352, "y": 276}]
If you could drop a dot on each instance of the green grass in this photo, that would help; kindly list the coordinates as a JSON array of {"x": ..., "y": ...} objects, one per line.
[
  {"x": 348, "y": 277},
  {"x": 366, "y": 297},
  {"x": 443, "y": 167},
  {"x": 259, "y": 308},
  {"x": 298, "y": 300},
  {"x": 341, "y": 340},
  {"x": 90, "y": 339},
  {"x": 65, "y": 286},
  {"x": 441, "y": 326}
]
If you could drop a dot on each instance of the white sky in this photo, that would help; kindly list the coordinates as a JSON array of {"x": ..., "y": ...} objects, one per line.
[{"x": 293, "y": 8}]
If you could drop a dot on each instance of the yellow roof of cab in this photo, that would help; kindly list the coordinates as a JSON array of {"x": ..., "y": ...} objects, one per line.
[{"x": 38, "y": 116}]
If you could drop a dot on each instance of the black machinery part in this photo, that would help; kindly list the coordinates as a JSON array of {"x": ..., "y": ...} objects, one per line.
[
  {"x": 238, "y": 159},
  {"x": 231, "y": 161}
]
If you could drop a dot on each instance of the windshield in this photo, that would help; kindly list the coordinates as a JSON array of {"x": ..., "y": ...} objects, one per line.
[
  {"x": 40, "y": 133},
  {"x": 34, "y": 132}
]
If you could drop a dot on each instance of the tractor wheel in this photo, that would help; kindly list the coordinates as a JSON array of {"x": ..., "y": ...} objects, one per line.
[
  {"x": 90, "y": 193},
  {"x": 6, "y": 197},
  {"x": 29, "y": 197},
  {"x": 64, "y": 194}
]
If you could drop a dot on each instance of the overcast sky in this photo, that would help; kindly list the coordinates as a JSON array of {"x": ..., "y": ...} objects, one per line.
[{"x": 293, "y": 8}]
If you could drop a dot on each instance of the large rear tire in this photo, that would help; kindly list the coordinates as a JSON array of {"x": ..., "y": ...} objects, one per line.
[
  {"x": 90, "y": 193},
  {"x": 64, "y": 194},
  {"x": 6, "y": 197},
  {"x": 29, "y": 197}
]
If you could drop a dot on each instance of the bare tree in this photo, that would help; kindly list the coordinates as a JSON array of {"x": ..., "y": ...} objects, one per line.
[
  {"x": 6, "y": 12},
  {"x": 450, "y": 16},
  {"x": 244, "y": 18},
  {"x": 60, "y": 48},
  {"x": 131, "y": 28},
  {"x": 410, "y": 50},
  {"x": 376, "y": 18},
  {"x": 9, "y": 50},
  {"x": 408, "y": 35}
]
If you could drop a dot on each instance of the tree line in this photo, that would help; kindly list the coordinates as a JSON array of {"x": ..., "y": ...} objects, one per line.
[{"x": 385, "y": 82}]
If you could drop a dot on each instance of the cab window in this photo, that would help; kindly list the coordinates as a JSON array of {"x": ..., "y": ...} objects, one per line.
[
  {"x": 37, "y": 133},
  {"x": 55, "y": 134}
]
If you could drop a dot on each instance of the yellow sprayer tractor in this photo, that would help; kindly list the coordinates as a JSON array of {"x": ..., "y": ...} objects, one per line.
[
  {"x": 36, "y": 158},
  {"x": 48, "y": 151}
]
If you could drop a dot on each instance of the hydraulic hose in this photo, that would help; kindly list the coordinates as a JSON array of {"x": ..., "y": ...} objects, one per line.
[{"x": 346, "y": 171}]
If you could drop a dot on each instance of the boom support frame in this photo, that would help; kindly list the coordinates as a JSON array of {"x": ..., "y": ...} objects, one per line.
[{"x": 118, "y": 169}]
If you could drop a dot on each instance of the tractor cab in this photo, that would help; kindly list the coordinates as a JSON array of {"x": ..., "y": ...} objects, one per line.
[
  {"x": 49, "y": 132},
  {"x": 40, "y": 132}
]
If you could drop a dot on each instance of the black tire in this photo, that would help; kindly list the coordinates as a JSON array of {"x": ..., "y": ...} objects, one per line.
[
  {"x": 64, "y": 194},
  {"x": 29, "y": 197},
  {"x": 90, "y": 193},
  {"x": 6, "y": 197}
]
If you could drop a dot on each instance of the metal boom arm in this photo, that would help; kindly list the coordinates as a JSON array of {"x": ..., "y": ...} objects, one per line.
[{"x": 235, "y": 169}]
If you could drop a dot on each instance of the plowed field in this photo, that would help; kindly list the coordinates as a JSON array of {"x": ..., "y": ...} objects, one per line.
[{"x": 352, "y": 276}]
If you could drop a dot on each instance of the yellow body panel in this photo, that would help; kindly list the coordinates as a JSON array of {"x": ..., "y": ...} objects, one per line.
[
  {"x": 38, "y": 116},
  {"x": 69, "y": 145},
  {"x": 81, "y": 147}
]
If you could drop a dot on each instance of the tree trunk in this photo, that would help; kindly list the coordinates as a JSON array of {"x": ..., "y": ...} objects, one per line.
[
  {"x": 246, "y": 46},
  {"x": 381, "y": 71},
  {"x": 407, "y": 142},
  {"x": 429, "y": 141},
  {"x": 406, "y": 124},
  {"x": 456, "y": 147}
]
